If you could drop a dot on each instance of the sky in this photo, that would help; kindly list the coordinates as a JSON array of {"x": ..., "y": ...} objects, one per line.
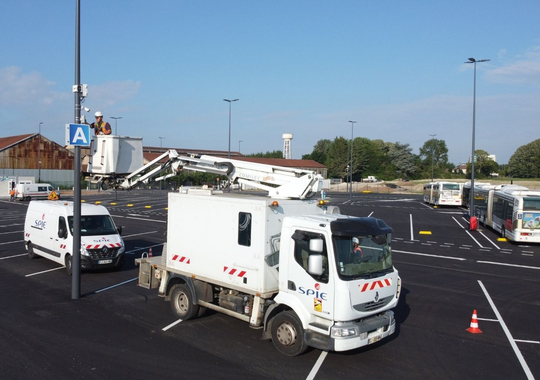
[{"x": 305, "y": 67}]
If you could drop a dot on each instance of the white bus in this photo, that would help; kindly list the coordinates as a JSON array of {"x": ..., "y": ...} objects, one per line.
[
  {"x": 513, "y": 211},
  {"x": 466, "y": 191},
  {"x": 443, "y": 193}
]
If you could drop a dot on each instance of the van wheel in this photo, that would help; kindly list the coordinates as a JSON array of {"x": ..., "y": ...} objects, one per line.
[
  {"x": 182, "y": 302},
  {"x": 288, "y": 334},
  {"x": 31, "y": 253},
  {"x": 68, "y": 264}
]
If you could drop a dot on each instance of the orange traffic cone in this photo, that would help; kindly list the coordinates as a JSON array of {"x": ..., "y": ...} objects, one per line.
[
  {"x": 474, "y": 325},
  {"x": 150, "y": 252}
]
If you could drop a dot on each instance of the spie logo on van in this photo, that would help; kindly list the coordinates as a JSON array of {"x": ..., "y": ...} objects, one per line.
[{"x": 40, "y": 224}]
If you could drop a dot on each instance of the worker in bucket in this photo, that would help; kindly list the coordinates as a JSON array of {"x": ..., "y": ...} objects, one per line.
[{"x": 101, "y": 127}]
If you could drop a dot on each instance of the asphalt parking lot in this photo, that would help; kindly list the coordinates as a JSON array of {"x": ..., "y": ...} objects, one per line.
[{"x": 117, "y": 329}]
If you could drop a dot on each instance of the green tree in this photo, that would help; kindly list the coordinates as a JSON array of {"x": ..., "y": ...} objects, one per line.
[
  {"x": 483, "y": 165},
  {"x": 434, "y": 154},
  {"x": 525, "y": 162},
  {"x": 402, "y": 158},
  {"x": 338, "y": 158},
  {"x": 320, "y": 152},
  {"x": 272, "y": 154}
]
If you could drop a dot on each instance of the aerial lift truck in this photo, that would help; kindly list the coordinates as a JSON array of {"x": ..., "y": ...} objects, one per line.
[{"x": 284, "y": 263}]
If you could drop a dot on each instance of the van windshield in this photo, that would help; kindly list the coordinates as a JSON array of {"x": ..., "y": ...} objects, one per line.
[{"x": 95, "y": 225}]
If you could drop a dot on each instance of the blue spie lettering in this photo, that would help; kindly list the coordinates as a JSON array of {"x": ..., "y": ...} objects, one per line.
[{"x": 315, "y": 293}]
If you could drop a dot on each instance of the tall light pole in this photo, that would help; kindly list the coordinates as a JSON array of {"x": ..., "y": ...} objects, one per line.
[
  {"x": 239, "y": 142},
  {"x": 471, "y": 204},
  {"x": 350, "y": 166},
  {"x": 230, "y": 101},
  {"x": 432, "y": 149},
  {"x": 161, "y": 141},
  {"x": 39, "y": 153},
  {"x": 116, "y": 123}
]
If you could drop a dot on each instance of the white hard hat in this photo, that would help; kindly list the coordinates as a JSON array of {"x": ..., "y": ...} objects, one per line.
[
  {"x": 355, "y": 240},
  {"x": 98, "y": 113}
]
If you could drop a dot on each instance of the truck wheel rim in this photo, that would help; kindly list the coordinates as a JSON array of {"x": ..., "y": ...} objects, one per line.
[
  {"x": 286, "y": 334},
  {"x": 182, "y": 302}
]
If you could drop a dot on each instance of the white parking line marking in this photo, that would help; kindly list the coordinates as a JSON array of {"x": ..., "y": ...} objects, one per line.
[
  {"x": 11, "y": 242},
  {"x": 429, "y": 255},
  {"x": 142, "y": 233},
  {"x": 317, "y": 366},
  {"x": 412, "y": 233},
  {"x": 11, "y": 257},
  {"x": 508, "y": 334},
  {"x": 45, "y": 271},
  {"x": 117, "y": 285},
  {"x": 527, "y": 341},
  {"x": 171, "y": 325},
  {"x": 508, "y": 265}
]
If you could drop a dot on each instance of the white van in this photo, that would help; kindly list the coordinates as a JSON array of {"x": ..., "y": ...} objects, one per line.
[
  {"x": 28, "y": 191},
  {"x": 46, "y": 234}
]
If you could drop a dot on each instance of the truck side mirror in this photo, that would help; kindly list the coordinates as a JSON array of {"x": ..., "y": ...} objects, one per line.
[
  {"x": 316, "y": 245},
  {"x": 62, "y": 234},
  {"x": 119, "y": 229},
  {"x": 315, "y": 265}
]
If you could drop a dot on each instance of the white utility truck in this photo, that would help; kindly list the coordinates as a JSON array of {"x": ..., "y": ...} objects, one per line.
[{"x": 285, "y": 263}]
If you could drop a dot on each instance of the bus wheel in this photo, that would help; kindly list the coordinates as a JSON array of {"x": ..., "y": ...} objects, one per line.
[
  {"x": 288, "y": 334},
  {"x": 182, "y": 302},
  {"x": 68, "y": 264},
  {"x": 31, "y": 253}
]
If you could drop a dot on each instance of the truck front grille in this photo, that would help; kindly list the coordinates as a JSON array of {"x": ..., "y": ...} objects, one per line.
[
  {"x": 373, "y": 305},
  {"x": 103, "y": 253}
]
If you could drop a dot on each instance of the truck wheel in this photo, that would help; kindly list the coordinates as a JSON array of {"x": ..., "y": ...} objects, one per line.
[
  {"x": 182, "y": 302},
  {"x": 68, "y": 264},
  {"x": 31, "y": 253},
  {"x": 288, "y": 334}
]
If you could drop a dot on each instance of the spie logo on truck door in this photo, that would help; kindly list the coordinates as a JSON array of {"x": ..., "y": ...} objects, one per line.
[
  {"x": 318, "y": 296},
  {"x": 40, "y": 224}
]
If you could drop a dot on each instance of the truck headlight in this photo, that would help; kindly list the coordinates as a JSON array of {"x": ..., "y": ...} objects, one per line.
[
  {"x": 343, "y": 331},
  {"x": 122, "y": 249}
]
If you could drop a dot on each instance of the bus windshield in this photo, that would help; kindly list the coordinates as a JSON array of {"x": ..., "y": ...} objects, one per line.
[
  {"x": 450, "y": 186},
  {"x": 362, "y": 256},
  {"x": 95, "y": 225}
]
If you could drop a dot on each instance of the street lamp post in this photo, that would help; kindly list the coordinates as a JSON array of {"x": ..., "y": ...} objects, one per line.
[
  {"x": 432, "y": 149},
  {"x": 229, "y": 149},
  {"x": 39, "y": 153},
  {"x": 351, "y": 165},
  {"x": 116, "y": 123},
  {"x": 471, "y": 204},
  {"x": 161, "y": 141},
  {"x": 239, "y": 142}
]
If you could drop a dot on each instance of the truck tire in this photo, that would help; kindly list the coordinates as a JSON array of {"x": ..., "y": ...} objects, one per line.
[
  {"x": 182, "y": 302},
  {"x": 69, "y": 265},
  {"x": 31, "y": 253},
  {"x": 288, "y": 334}
]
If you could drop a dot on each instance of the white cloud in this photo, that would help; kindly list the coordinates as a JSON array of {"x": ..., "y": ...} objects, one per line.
[
  {"x": 524, "y": 71},
  {"x": 20, "y": 89}
]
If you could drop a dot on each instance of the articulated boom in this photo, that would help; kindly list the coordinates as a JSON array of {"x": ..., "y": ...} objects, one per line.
[{"x": 280, "y": 182}]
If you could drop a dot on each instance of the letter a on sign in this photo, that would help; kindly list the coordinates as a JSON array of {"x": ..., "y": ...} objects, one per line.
[{"x": 78, "y": 134}]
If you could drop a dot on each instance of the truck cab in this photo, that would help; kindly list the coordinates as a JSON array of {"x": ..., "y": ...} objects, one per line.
[{"x": 342, "y": 297}]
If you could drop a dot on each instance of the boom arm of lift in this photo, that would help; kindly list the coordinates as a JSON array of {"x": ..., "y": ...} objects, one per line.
[{"x": 280, "y": 182}]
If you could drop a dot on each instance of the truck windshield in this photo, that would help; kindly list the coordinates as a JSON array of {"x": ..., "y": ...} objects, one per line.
[
  {"x": 95, "y": 225},
  {"x": 362, "y": 256}
]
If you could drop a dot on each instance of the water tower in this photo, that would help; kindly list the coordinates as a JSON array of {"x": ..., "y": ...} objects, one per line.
[{"x": 287, "y": 137}]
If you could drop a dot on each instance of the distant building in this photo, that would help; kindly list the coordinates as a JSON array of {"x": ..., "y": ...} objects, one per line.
[{"x": 21, "y": 155}]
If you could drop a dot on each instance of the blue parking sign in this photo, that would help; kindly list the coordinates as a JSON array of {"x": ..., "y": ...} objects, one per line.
[{"x": 78, "y": 134}]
